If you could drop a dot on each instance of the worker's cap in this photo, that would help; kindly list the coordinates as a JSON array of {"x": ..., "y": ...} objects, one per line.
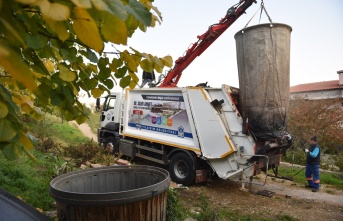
[{"x": 314, "y": 138}]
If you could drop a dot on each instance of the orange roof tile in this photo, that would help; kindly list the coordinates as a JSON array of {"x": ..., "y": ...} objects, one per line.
[{"x": 317, "y": 86}]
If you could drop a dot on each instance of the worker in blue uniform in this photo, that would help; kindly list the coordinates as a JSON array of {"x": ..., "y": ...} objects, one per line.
[{"x": 312, "y": 165}]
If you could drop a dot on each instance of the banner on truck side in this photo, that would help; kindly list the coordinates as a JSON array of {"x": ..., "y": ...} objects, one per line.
[{"x": 159, "y": 113}]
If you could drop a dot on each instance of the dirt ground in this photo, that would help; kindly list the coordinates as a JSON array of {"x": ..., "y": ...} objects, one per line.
[{"x": 289, "y": 201}]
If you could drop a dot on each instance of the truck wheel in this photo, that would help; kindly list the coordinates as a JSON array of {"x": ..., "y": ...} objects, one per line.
[
  {"x": 182, "y": 169},
  {"x": 110, "y": 143}
]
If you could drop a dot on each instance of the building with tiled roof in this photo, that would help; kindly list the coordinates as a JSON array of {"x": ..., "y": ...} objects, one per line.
[{"x": 319, "y": 90}]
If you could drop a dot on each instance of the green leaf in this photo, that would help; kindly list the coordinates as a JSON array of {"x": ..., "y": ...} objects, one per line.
[
  {"x": 121, "y": 72},
  {"x": 104, "y": 74},
  {"x": 68, "y": 54},
  {"x": 90, "y": 83},
  {"x": 109, "y": 83},
  {"x": 86, "y": 29},
  {"x": 115, "y": 7},
  {"x": 115, "y": 64},
  {"x": 125, "y": 81},
  {"x": 103, "y": 62},
  {"x": 139, "y": 11},
  {"x": 3, "y": 110},
  {"x": 56, "y": 99},
  {"x": 66, "y": 92},
  {"x": 11, "y": 31},
  {"x": 7, "y": 130},
  {"x": 66, "y": 74},
  {"x": 11, "y": 151},
  {"x": 34, "y": 41},
  {"x": 92, "y": 56},
  {"x": 113, "y": 29}
]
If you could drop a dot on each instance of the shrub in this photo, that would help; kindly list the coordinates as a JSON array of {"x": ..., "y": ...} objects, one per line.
[{"x": 83, "y": 152}]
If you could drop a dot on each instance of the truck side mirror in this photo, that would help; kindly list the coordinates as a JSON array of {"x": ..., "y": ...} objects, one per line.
[{"x": 97, "y": 105}]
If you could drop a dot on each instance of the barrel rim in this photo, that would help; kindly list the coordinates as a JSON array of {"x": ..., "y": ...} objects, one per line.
[
  {"x": 109, "y": 198},
  {"x": 263, "y": 25}
]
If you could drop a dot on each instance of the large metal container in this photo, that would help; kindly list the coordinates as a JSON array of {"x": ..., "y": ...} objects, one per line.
[
  {"x": 112, "y": 193},
  {"x": 263, "y": 58}
]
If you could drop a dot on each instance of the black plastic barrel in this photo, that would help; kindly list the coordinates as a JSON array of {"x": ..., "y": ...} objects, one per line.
[{"x": 112, "y": 193}]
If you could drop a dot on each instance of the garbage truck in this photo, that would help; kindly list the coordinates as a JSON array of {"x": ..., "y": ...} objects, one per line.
[{"x": 195, "y": 131}]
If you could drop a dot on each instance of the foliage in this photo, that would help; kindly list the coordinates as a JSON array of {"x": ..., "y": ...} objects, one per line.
[
  {"x": 339, "y": 161},
  {"x": 52, "y": 128},
  {"x": 175, "y": 211},
  {"x": 28, "y": 180},
  {"x": 316, "y": 117},
  {"x": 206, "y": 213},
  {"x": 93, "y": 121},
  {"x": 334, "y": 179},
  {"x": 83, "y": 152},
  {"x": 51, "y": 50}
]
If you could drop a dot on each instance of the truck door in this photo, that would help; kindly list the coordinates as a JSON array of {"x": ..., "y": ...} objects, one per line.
[{"x": 111, "y": 111}]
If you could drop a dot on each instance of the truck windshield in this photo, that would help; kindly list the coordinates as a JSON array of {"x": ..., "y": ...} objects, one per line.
[{"x": 109, "y": 103}]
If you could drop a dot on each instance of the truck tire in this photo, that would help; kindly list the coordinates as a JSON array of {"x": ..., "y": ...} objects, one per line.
[
  {"x": 110, "y": 142},
  {"x": 182, "y": 168}
]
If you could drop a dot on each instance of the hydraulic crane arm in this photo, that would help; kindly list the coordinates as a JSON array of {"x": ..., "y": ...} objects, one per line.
[{"x": 204, "y": 41}]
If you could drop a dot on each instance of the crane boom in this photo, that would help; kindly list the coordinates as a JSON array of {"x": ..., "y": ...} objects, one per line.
[{"x": 204, "y": 41}]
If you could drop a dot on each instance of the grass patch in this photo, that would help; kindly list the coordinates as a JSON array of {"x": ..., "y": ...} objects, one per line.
[
  {"x": 27, "y": 180},
  {"x": 333, "y": 179},
  {"x": 94, "y": 121},
  {"x": 68, "y": 134}
]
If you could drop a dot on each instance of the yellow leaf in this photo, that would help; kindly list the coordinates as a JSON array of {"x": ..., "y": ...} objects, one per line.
[
  {"x": 18, "y": 69},
  {"x": 81, "y": 119},
  {"x": 75, "y": 90},
  {"x": 131, "y": 63},
  {"x": 168, "y": 61},
  {"x": 26, "y": 108},
  {"x": 3, "y": 110},
  {"x": 28, "y": 145},
  {"x": 133, "y": 76},
  {"x": 97, "y": 92},
  {"x": 157, "y": 61},
  {"x": 132, "y": 84},
  {"x": 49, "y": 65},
  {"x": 146, "y": 65},
  {"x": 87, "y": 30},
  {"x": 59, "y": 28},
  {"x": 82, "y": 3},
  {"x": 113, "y": 29},
  {"x": 93, "y": 67},
  {"x": 26, "y": 2},
  {"x": 66, "y": 74},
  {"x": 158, "y": 69},
  {"x": 53, "y": 11}
]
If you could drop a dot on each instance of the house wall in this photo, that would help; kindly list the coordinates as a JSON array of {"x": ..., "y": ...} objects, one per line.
[{"x": 313, "y": 95}]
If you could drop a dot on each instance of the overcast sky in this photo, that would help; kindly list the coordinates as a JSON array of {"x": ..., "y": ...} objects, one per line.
[{"x": 316, "y": 38}]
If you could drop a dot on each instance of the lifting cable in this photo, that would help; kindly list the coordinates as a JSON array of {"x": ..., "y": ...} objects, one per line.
[{"x": 263, "y": 8}]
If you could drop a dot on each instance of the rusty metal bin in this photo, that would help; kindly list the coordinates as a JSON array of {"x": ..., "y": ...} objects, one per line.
[{"x": 112, "y": 193}]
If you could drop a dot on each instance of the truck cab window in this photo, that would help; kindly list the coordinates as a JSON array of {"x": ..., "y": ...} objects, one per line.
[{"x": 109, "y": 103}]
